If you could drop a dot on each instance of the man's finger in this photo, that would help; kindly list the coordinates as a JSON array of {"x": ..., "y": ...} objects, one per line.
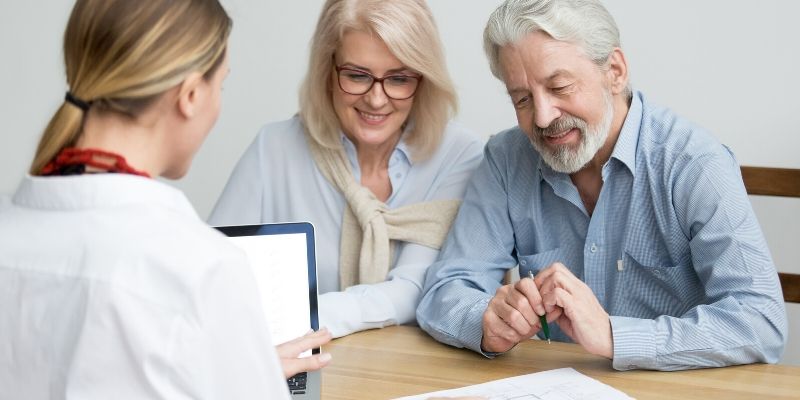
[
  {"x": 554, "y": 314},
  {"x": 512, "y": 317},
  {"x": 559, "y": 277},
  {"x": 497, "y": 335},
  {"x": 554, "y": 269},
  {"x": 560, "y": 298},
  {"x": 527, "y": 287}
]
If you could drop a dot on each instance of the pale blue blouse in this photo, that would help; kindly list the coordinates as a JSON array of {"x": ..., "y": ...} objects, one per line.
[{"x": 276, "y": 180}]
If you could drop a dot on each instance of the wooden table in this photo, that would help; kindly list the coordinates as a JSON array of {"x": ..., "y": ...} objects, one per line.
[{"x": 401, "y": 361}]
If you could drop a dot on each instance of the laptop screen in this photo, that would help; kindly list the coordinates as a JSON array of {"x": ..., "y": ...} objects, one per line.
[{"x": 283, "y": 262}]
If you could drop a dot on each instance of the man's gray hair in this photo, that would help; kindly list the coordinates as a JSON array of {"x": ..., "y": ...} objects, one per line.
[{"x": 585, "y": 23}]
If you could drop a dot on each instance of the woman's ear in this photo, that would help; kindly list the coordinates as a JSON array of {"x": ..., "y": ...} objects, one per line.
[{"x": 189, "y": 95}]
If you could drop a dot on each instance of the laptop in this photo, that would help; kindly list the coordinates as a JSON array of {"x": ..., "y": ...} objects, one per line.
[{"x": 284, "y": 265}]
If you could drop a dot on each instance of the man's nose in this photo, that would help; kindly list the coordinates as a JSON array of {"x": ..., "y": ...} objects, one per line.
[{"x": 544, "y": 111}]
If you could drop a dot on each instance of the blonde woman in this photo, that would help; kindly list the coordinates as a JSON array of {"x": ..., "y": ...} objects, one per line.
[
  {"x": 370, "y": 160},
  {"x": 111, "y": 286}
]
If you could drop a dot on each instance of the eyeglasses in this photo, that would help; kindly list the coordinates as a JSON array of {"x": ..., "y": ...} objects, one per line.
[{"x": 396, "y": 86}]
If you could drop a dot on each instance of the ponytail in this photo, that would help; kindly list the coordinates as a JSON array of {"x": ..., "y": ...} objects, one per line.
[
  {"x": 121, "y": 55},
  {"x": 62, "y": 132}
]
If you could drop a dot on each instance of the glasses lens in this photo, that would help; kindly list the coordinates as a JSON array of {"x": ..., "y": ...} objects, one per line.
[
  {"x": 354, "y": 82},
  {"x": 400, "y": 86}
]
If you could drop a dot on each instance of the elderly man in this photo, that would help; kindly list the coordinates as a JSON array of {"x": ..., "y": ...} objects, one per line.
[{"x": 634, "y": 221}]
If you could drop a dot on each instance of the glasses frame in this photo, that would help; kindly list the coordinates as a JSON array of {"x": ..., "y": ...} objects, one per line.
[{"x": 375, "y": 79}]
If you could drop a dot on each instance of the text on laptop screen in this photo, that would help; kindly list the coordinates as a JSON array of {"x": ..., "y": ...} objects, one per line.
[{"x": 279, "y": 263}]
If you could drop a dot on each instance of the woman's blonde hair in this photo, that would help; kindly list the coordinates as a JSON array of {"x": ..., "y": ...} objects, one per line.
[
  {"x": 121, "y": 55},
  {"x": 408, "y": 30}
]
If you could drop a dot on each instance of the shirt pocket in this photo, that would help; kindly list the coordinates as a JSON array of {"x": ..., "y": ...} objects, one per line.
[
  {"x": 654, "y": 285},
  {"x": 654, "y": 262},
  {"x": 540, "y": 261}
]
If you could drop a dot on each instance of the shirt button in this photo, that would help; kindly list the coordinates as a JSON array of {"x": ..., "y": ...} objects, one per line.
[
  {"x": 523, "y": 263},
  {"x": 398, "y": 175},
  {"x": 594, "y": 248},
  {"x": 632, "y": 366}
]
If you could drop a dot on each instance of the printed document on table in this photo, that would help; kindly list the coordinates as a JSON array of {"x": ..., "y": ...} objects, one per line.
[{"x": 556, "y": 384}]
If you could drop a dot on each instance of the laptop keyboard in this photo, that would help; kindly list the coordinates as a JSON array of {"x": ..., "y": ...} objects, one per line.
[{"x": 297, "y": 383}]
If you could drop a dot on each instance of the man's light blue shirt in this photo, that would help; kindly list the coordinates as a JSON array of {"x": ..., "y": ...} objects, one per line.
[{"x": 672, "y": 251}]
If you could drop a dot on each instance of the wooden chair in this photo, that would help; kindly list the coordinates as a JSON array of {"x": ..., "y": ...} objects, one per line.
[{"x": 776, "y": 182}]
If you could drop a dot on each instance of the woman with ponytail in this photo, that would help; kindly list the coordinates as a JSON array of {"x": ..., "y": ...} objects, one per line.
[{"x": 110, "y": 284}]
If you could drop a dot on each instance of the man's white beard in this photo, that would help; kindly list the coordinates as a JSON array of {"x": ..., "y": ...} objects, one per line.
[{"x": 565, "y": 158}]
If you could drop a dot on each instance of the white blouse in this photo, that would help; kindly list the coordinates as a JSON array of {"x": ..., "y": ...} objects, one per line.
[{"x": 111, "y": 287}]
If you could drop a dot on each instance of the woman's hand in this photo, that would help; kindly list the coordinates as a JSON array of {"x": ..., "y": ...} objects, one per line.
[{"x": 290, "y": 351}]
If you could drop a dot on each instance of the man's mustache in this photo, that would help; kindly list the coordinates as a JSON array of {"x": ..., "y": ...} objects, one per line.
[{"x": 561, "y": 125}]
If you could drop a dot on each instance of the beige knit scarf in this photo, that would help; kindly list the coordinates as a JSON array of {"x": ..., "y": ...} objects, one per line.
[{"x": 368, "y": 224}]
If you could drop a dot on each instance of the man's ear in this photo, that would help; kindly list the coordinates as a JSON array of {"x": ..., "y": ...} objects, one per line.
[
  {"x": 189, "y": 95},
  {"x": 617, "y": 72}
]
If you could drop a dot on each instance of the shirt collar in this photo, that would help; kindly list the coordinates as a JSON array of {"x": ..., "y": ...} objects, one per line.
[
  {"x": 628, "y": 139},
  {"x": 80, "y": 192},
  {"x": 402, "y": 149}
]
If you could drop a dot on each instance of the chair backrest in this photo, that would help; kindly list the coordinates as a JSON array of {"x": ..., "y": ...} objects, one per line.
[{"x": 776, "y": 182}]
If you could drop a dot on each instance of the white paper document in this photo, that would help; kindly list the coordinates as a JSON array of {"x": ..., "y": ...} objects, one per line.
[{"x": 556, "y": 384}]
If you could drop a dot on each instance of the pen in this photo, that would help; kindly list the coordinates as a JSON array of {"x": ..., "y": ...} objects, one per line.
[{"x": 542, "y": 318}]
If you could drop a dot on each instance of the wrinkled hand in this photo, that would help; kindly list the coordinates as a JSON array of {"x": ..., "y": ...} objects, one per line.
[
  {"x": 512, "y": 316},
  {"x": 289, "y": 352},
  {"x": 581, "y": 317}
]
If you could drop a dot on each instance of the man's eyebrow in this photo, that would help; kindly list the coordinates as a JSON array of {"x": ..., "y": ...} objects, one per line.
[{"x": 560, "y": 73}]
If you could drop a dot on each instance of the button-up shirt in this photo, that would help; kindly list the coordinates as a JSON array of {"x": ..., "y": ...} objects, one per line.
[{"x": 672, "y": 251}]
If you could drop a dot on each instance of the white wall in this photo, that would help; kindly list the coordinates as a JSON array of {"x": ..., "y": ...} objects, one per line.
[{"x": 729, "y": 66}]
